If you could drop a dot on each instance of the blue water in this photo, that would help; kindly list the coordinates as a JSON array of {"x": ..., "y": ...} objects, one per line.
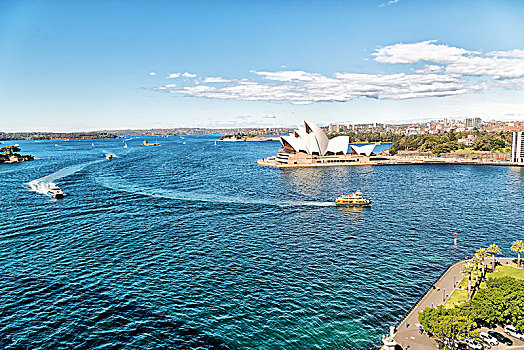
[{"x": 195, "y": 246}]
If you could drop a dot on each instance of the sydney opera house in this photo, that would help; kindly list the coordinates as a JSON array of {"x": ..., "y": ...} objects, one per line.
[{"x": 310, "y": 146}]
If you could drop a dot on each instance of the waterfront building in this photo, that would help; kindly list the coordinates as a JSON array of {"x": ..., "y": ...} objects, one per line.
[
  {"x": 517, "y": 147},
  {"x": 310, "y": 146}
]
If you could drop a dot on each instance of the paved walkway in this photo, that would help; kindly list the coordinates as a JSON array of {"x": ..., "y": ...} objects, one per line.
[{"x": 408, "y": 335}]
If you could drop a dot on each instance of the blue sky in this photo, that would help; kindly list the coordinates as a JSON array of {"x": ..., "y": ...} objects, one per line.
[{"x": 72, "y": 65}]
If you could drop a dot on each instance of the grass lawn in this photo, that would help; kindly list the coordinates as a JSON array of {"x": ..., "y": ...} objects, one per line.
[{"x": 459, "y": 296}]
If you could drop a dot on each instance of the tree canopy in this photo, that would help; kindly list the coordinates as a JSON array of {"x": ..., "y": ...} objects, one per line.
[
  {"x": 447, "y": 325},
  {"x": 9, "y": 149}
]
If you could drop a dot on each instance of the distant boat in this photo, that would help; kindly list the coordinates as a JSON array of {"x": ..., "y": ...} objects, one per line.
[
  {"x": 92, "y": 144},
  {"x": 145, "y": 143},
  {"x": 55, "y": 192},
  {"x": 125, "y": 145},
  {"x": 215, "y": 142},
  {"x": 56, "y": 145},
  {"x": 184, "y": 143},
  {"x": 109, "y": 156}
]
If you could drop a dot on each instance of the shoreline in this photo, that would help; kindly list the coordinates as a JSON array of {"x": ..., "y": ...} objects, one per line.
[
  {"x": 273, "y": 163},
  {"x": 407, "y": 331}
]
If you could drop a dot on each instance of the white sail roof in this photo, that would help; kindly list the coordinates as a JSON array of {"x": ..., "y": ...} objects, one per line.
[
  {"x": 317, "y": 140},
  {"x": 365, "y": 150},
  {"x": 312, "y": 139},
  {"x": 338, "y": 144},
  {"x": 296, "y": 142}
]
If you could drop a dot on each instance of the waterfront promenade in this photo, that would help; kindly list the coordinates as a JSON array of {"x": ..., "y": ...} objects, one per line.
[
  {"x": 272, "y": 162},
  {"x": 408, "y": 332}
]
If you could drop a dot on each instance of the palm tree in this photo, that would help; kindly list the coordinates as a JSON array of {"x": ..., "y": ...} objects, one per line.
[
  {"x": 518, "y": 247},
  {"x": 475, "y": 262},
  {"x": 467, "y": 270},
  {"x": 494, "y": 249},
  {"x": 482, "y": 254}
]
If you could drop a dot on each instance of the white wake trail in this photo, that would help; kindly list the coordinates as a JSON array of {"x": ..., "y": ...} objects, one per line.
[
  {"x": 169, "y": 194},
  {"x": 43, "y": 184}
]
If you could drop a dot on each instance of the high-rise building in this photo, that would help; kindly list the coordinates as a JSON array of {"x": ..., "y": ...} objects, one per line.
[
  {"x": 517, "y": 147},
  {"x": 473, "y": 123}
]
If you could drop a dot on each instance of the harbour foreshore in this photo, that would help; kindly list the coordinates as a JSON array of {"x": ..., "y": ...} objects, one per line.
[
  {"x": 408, "y": 333},
  {"x": 273, "y": 162}
]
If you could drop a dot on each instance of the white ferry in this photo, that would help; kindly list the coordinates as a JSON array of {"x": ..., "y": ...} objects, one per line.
[{"x": 352, "y": 200}]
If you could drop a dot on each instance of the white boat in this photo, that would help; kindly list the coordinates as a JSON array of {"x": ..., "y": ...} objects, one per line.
[
  {"x": 125, "y": 145},
  {"x": 55, "y": 191},
  {"x": 92, "y": 144},
  {"x": 231, "y": 139}
]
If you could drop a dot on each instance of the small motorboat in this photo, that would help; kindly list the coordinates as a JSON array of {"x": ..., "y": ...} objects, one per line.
[
  {"x": 145, "y": 143},
  {"x": 109, "y": 156},
  {"x": 352, "y": 200},
  {"x": 125, "y": 145},
  {"x": 55, "y": 191}
]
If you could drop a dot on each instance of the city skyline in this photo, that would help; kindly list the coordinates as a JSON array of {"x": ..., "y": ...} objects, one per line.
[{"x": 96, "y": 66}]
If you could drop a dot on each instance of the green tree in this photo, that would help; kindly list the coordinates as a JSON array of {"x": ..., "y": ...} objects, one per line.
[
  {"x": 488, "y": 142},
  {"x": 466, "y": 271},
  {"x": 501, "y": 302},
  {"x": 518, "y": 247},
  {"x": 482, "y": 254},
  {"x": 9, "y": 149},
  {"x": 494, "y": 249},
  {"x": 447, "y": 325},
  {"x": 475, "y": 261}
]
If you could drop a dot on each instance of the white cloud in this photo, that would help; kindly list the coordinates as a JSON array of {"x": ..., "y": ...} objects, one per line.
[
  {"x": 170, "y": 85},
  {"x": 497, "y": 64},
  {"x": 216, "y": 80},
  {"x": 513, "y": 53},
  {"x": 429, "y": 68},
  {"x": 173, "y": 75},
  {"x": 390, "y": 2},
  {"x": 422, "y": 51},
  {"x": 188, "y": 75},
  {"x": 152, "y": 73},
  {"x": 447, "y": 71},
  {"x": 498, "y": 68}
]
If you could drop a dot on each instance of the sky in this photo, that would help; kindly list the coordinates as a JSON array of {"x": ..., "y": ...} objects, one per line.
[{"x": 93, "y": 65}]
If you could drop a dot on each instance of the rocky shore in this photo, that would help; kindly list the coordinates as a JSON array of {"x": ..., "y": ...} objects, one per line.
[{"x": 15, "y": 158}]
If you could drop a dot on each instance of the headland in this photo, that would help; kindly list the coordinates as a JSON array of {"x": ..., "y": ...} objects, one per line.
[{"x": 309, "y": 146}]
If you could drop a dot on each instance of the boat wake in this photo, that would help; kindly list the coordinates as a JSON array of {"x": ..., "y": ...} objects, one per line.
[
  {"x": 43, "y": 184},
  {"x": 170, "y": 194}
]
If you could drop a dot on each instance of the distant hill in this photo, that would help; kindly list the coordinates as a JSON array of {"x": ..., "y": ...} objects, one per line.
[{"x": 6, "y": 136}]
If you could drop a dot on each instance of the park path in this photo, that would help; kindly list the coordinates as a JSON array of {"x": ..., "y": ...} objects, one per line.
[{"x": 408, "y": 335}]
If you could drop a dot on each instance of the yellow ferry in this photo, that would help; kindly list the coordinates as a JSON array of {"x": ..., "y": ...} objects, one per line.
[{"x": 352, "y": 200}]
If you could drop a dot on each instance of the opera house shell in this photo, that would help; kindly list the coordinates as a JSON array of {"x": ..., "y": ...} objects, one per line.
[
  {"x": 310, "y": 139},
  {"x": 310, "y": 146}
]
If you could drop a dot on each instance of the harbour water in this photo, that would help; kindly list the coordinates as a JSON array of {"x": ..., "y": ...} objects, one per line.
[{"x": 192, "y": 245}]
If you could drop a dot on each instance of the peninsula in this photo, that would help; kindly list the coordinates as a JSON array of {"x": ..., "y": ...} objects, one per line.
[
  {"x": 8, "y": 136},
  {"x": 309, "y": 146}
]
